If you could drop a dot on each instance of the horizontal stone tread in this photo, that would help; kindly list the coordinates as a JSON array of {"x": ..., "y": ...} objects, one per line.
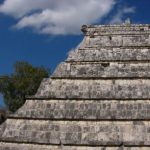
[
  {"x": 94, "y": 89},
  {"x": 110, "y": 54},
  {"x": 122, "y": 27},
  {"x": 16, "y": 146},
  {"x": 115, "y": 40},
  {"x": 84, "y": 110},
  {"x": 102, "y": 70},
  {"x": 121, "y": 33},
  {"x": 98, "y": 47},
  {"x": 86, "y": 48},
  {"x": 115, "y": 29},
  {"x": 78, "y": 133}
]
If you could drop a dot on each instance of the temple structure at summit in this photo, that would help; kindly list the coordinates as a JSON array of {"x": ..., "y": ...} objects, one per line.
[{"x": 97, "y": 99}]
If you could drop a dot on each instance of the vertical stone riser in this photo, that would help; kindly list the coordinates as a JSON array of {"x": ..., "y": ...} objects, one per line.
[
  {"x": 120, "y": 40},
  {"x": 111, "y": 54},
  {"x": 12, "y": 146},
  {"x": 78, "y": 133},
  {"x": 95, "y": 89},
  {"x": 102, "y": 70},
  {"x": 85, "y": 110}
]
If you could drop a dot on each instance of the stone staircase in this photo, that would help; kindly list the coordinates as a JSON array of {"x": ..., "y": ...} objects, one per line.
[{"x": 98, "y": 99}]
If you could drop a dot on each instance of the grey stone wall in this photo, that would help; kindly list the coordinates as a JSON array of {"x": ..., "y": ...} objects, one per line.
[
  {"x": 110, "y": 54},
  {"x": 78, "y": 132},
  {"x": 12, "y": 146},
  {"x": 132, "y": 29},
  {"x": 103, "y": 70},
  {"x": 95, "y": 89},
  {"x": 119, "y": 40},
  {"x": 85, "y": 110}
]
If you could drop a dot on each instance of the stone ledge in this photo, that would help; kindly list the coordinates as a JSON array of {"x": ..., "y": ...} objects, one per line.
[
  {"x": 94, "y": 89},
  {"x": 84, "y": 110},
  {"x": 13, "y": 146},
  {"x": 78, "y": 133},
  {"x": 102, "y": 70},
  {"x": 110, "y": 29},
  {"x": 110, "y": 54}
]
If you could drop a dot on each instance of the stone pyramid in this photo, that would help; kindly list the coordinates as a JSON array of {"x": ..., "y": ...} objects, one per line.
[{"x": 98, "y": 99}]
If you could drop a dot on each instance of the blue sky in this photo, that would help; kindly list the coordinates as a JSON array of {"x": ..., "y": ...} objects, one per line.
[{"x": 45, "y": 32}]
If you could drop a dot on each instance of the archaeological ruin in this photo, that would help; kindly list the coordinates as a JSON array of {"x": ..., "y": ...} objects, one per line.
[{"x": 97, "y": 99}]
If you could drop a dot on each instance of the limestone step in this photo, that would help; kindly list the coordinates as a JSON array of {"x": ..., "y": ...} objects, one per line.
[
  {"x": 118, "y": 40},
  {"x": 14, "y": 146},
  {"x": 110, "y": 54},
  {"x": 127, "y": 133},
  {"x": 132, "y": 29},
  {"x": 102, "y": 70},
  {"x": 94, "y": 89},
  {"x": 84, "y": 110}
]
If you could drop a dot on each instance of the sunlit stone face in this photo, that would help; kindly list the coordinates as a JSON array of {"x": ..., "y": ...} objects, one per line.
[{"x": 97, "y": 99}]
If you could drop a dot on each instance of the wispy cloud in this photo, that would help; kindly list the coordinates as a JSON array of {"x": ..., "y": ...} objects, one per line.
[
  {"x": 118, "y": 17},
  {"x": 57, "y": 17}
]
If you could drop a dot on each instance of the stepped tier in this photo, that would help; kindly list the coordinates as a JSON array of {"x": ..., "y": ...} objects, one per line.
[
  {"x": 110, "y": 54},
  {"x": 132, "y": 29},
  {"x": 84, "y": 70},
  {"x": 13, "y": 146},
  {"x": 84, "y": 110},
  {"x": 78, "y": 132},
  {"x": 116, "y": 36},
  {"x": 94, "y": 89},
  {"x": 98, "y": 99},
  {"x": 117, "y": 41}
]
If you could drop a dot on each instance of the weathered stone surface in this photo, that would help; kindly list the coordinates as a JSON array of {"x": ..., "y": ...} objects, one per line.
[
  {"x": 94, "y": 89},
  {"x": 110, "y": 54},
  {"x": 12, "y": 146},
  {"x": 78, "y": 132},
  {"x": 85, "y": 110},
  {"x": 118, "y": 40},
  {"x": 2, "y": 128},
  {"x": 132, "y": 29},
  {"x": 103, "y": 70},
  {"x": 98, "y": 99}
]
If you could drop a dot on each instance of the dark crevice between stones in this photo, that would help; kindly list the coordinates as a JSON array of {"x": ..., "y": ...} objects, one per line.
[
  {"x": 105, "y": 64},
  {"x": 92, "y": 35},
  {"x": 135, "y": 121},
  {"x": 88, "y": 99},
  {"x": 142, "y": 29},
  {"x": 100, "y": 78},
  {"x": 108, "y": 144},
  {"x": 105, "y": 61},
  {"x": 110, "y": 38}
]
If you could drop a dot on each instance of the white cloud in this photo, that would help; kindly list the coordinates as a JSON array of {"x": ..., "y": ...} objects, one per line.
[
  {"x": 118, "y": 18},
  {"x": 56, "y": 16}
]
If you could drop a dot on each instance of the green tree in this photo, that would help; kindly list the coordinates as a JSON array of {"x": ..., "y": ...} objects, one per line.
[{"x": 24, "y": 81}]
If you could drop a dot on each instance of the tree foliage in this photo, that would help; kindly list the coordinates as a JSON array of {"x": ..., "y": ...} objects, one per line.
[
  {"x": 3, "y": 115},
  {"x": 24, "y": 81}
]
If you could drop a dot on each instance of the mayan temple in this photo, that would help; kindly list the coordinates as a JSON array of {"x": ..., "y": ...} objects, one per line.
[{"x": 97, "y": 99}]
